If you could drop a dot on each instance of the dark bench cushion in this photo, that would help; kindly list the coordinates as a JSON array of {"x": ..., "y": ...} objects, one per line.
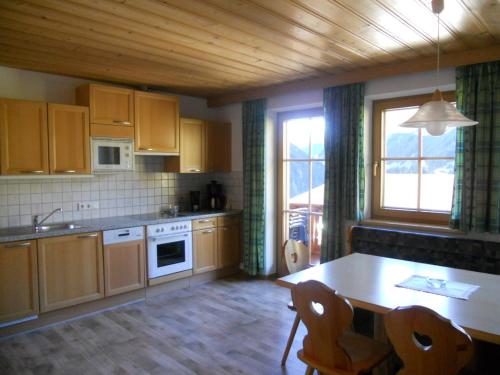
[{"x": 442, "y": 250}]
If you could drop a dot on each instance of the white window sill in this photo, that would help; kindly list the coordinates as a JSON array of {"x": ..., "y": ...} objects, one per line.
[{"x": 410, "y": 226}]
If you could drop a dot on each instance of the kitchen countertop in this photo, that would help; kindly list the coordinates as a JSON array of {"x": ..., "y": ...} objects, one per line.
[{"x": 107, "y": 223}]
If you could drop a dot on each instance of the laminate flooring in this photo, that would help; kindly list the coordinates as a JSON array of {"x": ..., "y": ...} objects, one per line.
[{"x": 230, "y": 326}]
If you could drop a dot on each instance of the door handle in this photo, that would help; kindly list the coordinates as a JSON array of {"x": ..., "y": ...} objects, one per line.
[
  {"x": 375, "y": 168},
  {"x": 66, "y": 171},
  {"x": 121, "y": 122},
  {"x": 33, "y": 172},
  {"x": 23, "y": 244},
  {"x": 88, "y": 235}
]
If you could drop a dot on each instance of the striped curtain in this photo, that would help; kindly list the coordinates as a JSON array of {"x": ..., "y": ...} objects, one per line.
[
  {"x": 476, "y": 198},
  {"x": 254, "y": 113},
  {"x": 344, "y": 166}
]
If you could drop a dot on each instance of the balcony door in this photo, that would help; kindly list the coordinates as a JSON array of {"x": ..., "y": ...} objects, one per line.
[{"x": 301, "y": 179}]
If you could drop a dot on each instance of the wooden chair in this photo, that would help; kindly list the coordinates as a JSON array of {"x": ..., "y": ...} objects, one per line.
[
  {"x": 296, "y": 256},
  {"x": 329, "y": 346},
  {"x": 426, "y": 342}
]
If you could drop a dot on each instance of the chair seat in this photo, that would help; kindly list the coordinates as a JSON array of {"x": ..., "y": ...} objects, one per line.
[{"x": 365, "y": 354}]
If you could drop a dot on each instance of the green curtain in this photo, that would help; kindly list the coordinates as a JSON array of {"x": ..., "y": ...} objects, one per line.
[
  {"x": 476, "y": 198},
  {"x": 344, "y": 166},
  {"x": 254, "y": 113}
]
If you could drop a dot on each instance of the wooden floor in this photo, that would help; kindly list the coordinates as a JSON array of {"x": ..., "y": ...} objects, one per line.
[{"x": 230, "y": 326}]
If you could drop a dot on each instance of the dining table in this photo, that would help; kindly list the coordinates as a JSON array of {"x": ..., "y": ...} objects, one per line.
[{"x": 370, "y": 282}]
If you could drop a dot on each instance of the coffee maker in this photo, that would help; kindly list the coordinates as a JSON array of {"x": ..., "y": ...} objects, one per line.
[{"x": 216, "y": 198}]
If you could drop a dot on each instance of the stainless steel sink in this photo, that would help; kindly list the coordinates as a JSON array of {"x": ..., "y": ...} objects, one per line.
[{"x": 60, "y": 226}]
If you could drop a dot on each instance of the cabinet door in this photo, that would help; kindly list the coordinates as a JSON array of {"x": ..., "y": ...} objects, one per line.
[
  {"x": 69, "y": 140},
  {"x": 23, "y": 137},
  {"x": 156, "y": 123},
  {"x": 18, "y": 280},
  {"x": 70, "y": 270},
  {"x": 228, "y": 250},
  {"x": 218, "y": 147},
  {"x": 124, "y": 267},
  {"x": 204, "y": 250},
  {"x": 108, "y": 105},
  {"x": 192, "y": 151}
]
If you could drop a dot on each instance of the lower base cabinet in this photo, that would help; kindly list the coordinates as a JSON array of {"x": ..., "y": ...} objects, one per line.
[
  {"x": 228, "y": 246},
  {"x": 18, "y": 280},
  {"x": 70, "y": 270},
  {"x": 124, "y": 267},
  {"x": 204, "y": 250}
]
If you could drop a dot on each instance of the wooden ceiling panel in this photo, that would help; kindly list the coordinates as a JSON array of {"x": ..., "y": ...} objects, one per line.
[{"x": 214, "y": 48}]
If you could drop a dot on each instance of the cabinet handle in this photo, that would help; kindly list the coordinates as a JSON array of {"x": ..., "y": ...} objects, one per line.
[
  {"x": 146, "y": 149},
  {"x": 121, "y": 122},
  {"x": 32, "y": 172},
  {"x": 204, "y": 221},
  {"x": 207, "y": 231},
  {"x": 88, "y": 235},
  {"x": 223, "y": 228},
  {"x": 67, "y": 171},
  {"x": 23, "y": 244},
  {"x": 194, "y": 170}
]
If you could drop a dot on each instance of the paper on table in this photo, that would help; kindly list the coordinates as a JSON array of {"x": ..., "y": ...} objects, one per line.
[{"x": 453, "y": 289}]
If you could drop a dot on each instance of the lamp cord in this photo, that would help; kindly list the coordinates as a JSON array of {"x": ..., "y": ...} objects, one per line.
[{"x": 438, "y": 53}]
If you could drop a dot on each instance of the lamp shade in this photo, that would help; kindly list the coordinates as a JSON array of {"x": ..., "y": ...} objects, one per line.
[{"x": 436, "y": 116}]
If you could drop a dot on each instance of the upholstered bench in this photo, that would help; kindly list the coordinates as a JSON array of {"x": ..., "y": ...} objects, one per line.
[{"x": 439, "y": 249}]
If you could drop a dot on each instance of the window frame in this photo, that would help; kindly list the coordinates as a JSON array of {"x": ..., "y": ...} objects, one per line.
[{"x": 405, "y": 215}]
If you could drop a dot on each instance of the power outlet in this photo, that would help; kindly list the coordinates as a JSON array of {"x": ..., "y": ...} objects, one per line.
[{"x": 89, "y": 205}]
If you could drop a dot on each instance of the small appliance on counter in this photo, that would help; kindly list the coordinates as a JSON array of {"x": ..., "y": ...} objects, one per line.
[
  {"x": 195, "y": 200},
  {"x": 216, "y": 198}
]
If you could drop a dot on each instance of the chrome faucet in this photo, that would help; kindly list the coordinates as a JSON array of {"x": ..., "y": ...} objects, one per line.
[{"x": 38, "y": 224}]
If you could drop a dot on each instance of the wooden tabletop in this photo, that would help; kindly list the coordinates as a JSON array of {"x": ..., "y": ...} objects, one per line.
[{"x": 369, "y": 282}]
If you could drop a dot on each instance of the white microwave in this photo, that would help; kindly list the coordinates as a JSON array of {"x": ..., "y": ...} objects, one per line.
[{"x": 112, "y": 155}]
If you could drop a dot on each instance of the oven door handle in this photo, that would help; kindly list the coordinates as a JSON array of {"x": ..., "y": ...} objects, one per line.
[{"x": 156, "y": 238}]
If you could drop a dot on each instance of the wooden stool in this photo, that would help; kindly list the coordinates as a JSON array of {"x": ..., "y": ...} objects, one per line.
[
  {"x": 329, "y": 346},
  {"x": 426, "y": 342}
]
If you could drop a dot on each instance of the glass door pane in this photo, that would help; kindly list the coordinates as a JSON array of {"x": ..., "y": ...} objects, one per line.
[{"x": 303, "y": 178}]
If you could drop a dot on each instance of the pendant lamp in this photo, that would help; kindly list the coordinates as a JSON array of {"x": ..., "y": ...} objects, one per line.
[{"x": 438, "y": 114}]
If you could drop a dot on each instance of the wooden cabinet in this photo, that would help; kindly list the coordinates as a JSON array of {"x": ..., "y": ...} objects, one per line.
[
  {"x": 156, "y": 123},
  {"x": 204, "y": 223},
  {"x": 228, "y": 241},
  {"x": 23, "y": 137},
  {"x": 204, "y": 250},
  {"x": 18, "y": 280},
  {"x": 70, "y": 270},
  {"x": 192, "y": 152},
  {"x": 69, "y": 139},
  {"x": 218, "y": 143},
  {"x": 108, "y": 105},
  {"x": 124, "y": 267}
]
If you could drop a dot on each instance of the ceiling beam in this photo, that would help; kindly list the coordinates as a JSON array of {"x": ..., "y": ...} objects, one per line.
[{"x": 448, "y": 60}]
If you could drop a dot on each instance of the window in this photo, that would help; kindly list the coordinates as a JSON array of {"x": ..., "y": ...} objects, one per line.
[
  {"x": 302, "y": 178},
  {"x": 413, "y": 172}
]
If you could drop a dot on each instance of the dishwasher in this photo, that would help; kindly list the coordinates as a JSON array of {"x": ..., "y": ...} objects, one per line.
[{"x": 124, "y": 260}]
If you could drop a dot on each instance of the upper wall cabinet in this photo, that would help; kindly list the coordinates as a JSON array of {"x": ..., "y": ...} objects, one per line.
[
  {"x": 109, "y": 105},
  {"x": 23, "y": 137},
  {"x": 156, "y": 123},
  {"x": 69, "y": 148},
  {"x": 111, "y": 110},
  {"x": 192, "y": 153},
  {"x": 218, "y": 147}
]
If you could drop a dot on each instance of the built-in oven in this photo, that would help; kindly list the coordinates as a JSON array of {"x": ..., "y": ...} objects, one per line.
[
  {"x": 170, "y": 248},
  {"x": 112, "y": 155}
]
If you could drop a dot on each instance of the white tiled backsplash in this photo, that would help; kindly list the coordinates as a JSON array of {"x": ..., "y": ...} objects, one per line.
[{"x": 143, "y": 191}]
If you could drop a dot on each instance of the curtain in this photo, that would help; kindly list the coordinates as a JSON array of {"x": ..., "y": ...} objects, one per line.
[
  {"x": 344, "y": 166},
  {"x": 476, "y": 197},
  {"x": 254, "y": 113}
]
